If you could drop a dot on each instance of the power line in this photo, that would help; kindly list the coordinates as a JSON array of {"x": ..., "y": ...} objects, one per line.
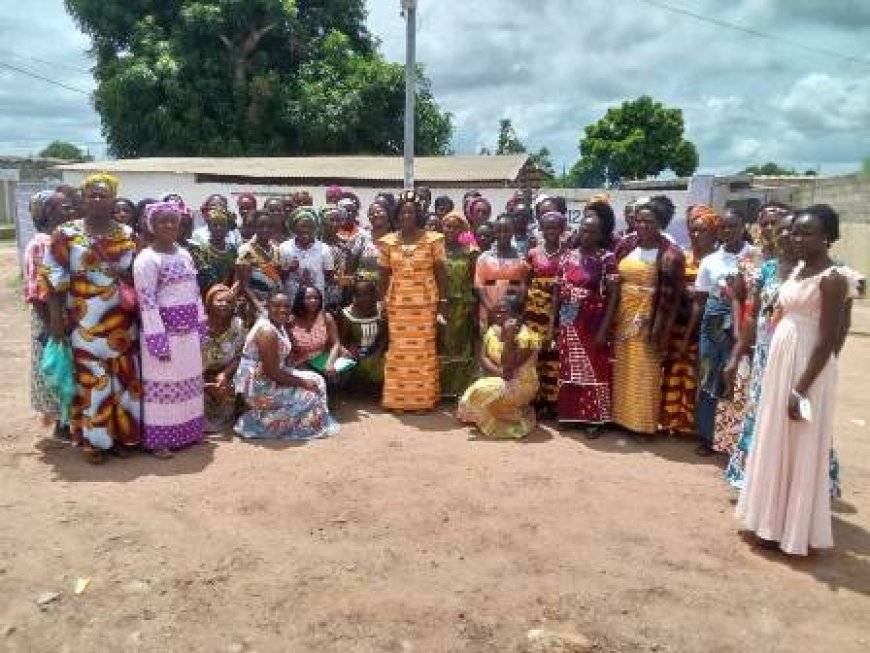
[
  {"x": 45, "y": 61},
  {"x": 48, "y": 80},
  {"x": 756, "y": 33}
]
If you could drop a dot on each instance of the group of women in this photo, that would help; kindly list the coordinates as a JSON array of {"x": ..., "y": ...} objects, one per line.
[{"x": 256, "y": 319}]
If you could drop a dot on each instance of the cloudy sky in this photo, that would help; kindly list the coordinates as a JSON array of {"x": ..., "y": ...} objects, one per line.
[{"x": 553, "y": 66}]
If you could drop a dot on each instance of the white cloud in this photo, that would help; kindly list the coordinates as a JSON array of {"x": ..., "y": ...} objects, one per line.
[{"x": 554, "y": 66}]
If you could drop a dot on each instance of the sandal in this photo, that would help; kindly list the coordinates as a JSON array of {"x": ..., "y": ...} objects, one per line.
[
  {"x": 163, "y": 454},
  {"x": 593, "y": 433}
]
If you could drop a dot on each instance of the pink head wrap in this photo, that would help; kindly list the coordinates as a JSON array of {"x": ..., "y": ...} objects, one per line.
[{"x": 152, "y": 210}]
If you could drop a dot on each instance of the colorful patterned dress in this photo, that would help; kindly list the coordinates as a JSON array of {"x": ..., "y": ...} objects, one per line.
[
  {"x": 365, "y": 340},
  {"x": 87, "y": 270},
  {"x": 277, "y": 411},
  {"x": 585, "y": 370},
  {"x": 266, "y": 266},
  {"x": 731, "y": 413},
  {"x": 42, "y": 398},
  {"x": 456, "y": 338},
  {"x": 173, "y": 323},
  {"x": 411, "y": 374},
  {"x": 539, "y": 318},
  {"x": 680, "y": 385},
  {"x": 637, "y": 369},
  {"x": 213, "y": 266},
  {"x": 495, "y": 276},
  {"x": 499, "y": 408},
  {"x": 219, "y": 351}
]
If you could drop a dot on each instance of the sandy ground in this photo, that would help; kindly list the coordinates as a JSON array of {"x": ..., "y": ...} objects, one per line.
[{"x": 408, "y": 535}]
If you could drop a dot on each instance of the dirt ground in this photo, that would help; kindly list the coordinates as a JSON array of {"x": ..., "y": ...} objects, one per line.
[{"x": 408, "y": 535}]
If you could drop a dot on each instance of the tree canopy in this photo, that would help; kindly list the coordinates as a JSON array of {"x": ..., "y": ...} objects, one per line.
[
  {"x": 252, "y": 77},
  {"x": 65, "y": 151},
  {"x": 508, "y": 142},
  {"x": 769, "y": 169},
  {"x": 636, "y": 140}
]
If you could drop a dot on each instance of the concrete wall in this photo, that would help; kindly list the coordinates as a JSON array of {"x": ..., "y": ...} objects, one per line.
[{"x": 850, "y": 197}]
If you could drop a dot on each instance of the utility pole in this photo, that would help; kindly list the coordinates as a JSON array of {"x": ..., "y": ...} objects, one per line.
[{"x": 409, "y": 9}]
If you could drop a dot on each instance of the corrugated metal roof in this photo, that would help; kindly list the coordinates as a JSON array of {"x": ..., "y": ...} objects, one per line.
[{"x": 431, "y": 170}]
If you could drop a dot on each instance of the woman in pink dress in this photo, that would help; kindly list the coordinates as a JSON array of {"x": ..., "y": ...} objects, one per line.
[
  {"x": 785, "y": 500},
  {"x": 173, "y": 323}
]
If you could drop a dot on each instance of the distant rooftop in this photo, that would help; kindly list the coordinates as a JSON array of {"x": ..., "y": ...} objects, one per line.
[{"x": 507, "y": 170}]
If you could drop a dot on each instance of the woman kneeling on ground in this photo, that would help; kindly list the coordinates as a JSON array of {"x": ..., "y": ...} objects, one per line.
[
  {"x": 500, "y": 404},
  {"x": 283, "y": 403}
]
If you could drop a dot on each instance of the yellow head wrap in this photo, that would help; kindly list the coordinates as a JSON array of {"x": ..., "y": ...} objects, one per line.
[{"x": 102, "y": 178}]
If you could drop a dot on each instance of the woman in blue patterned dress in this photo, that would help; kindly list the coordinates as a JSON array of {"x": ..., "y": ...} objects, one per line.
[{"x": 283, "y": 403}]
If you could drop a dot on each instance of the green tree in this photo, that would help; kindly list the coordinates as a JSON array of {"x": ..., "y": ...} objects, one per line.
[
  {"x": 65, "y": 151},
  {"x": 865, "y": 165},
  {"x": 635, "y": 140},
  {"x": 508, "y": 142},
  {"x": 769, "y": 169},
  {"x": 258, "y": 77}
]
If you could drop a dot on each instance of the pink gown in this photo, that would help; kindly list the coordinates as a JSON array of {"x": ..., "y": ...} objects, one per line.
[{"x": 786, "y": 495}]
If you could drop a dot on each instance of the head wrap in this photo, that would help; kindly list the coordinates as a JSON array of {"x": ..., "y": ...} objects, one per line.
[
  {"x": 333, "y": 193},
  {"x": 328, "y": 210},
  {"x": 457, "y": 217},
  {"x": 539, "y": 199},
  {"x": 604, "y": 198},
  {"x": 102, "y": 178},
  {"x": 214, "y": 291},
  {"x": 302, "y": 198},
  {"x": 161, "y": 207},
  {"x": 302, "y": 213},
  {"x": 706, "y": 214},
  {"x": 37, "y": 208},
  {"x": 347, "y": 205},
  {"x": 217, "y": 216},
  {"x": 246, "y": 196}
]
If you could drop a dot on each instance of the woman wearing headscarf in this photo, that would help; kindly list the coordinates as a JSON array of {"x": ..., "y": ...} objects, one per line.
[
  {"x": 456, "y": 336},
  {"x": 306, "y": 259},
  {"x": 413, "y": 286},
  {"x": 173, "y": 323},
  {"x": 680, "y": 385},
  {"x": 713, "y": 309},
  {"x": 222, "y": 347},
  {"x": 88, "y": 270},
  {"x": 215, "y": 260},
  {"x": 651, "y": 273},
  {"x": 48, "y": 210},
  {"x": 203, "y": 235}
]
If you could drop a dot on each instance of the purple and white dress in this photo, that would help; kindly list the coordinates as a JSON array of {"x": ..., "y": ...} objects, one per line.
[{"x": 173, "y": 321}]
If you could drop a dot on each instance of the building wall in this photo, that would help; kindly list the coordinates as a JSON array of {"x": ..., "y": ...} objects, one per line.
[{"x": 850, "y": 197}]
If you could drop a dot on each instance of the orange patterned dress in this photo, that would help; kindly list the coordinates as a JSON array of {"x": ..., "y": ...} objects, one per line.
[
  {"x": 86, "y": 270},
  {"x": 411, "y": 372}
]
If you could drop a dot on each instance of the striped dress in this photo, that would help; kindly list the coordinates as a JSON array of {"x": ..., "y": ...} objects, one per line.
[
  {"x": 173, "y": 322},
  {"x": 411, "y": 373}
]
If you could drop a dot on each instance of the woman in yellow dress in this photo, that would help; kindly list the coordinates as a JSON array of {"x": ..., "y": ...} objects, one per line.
[
  {"x": 413, "y": 286},
  {"x": 651, "y": 274},
  {"x": 500, "y": 405}
]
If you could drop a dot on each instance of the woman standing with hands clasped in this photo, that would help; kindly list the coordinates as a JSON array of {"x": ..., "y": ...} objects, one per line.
[
  {"x": 413, "y": 285},
  {"x": 173, "y": 324},
  {"x": 785, "y": 500}
]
